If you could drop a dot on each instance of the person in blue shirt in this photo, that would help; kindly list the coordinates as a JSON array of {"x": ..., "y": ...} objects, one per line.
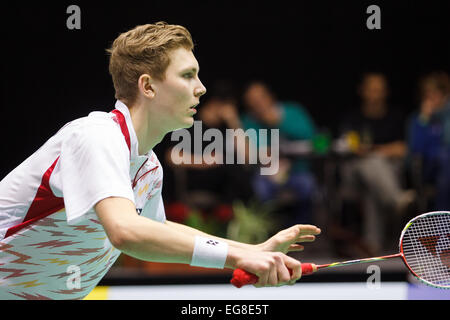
[{"x": 429, "y": 136}]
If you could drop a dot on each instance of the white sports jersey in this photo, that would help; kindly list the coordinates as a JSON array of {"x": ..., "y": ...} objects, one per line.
[{"x": 51, "y": 244}]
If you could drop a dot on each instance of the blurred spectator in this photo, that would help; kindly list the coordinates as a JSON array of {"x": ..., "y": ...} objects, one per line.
[
  {"x": 264, "y": 111},
  {"x": 211, "y": 187},
  {"x": 429, "y": 137},
  {"x": 375, "y": 174}
]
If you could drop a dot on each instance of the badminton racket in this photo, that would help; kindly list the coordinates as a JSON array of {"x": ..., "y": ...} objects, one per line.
[{"x": 424, "y": 248}]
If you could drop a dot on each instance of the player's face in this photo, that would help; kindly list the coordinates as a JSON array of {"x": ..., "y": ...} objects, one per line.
[{"x": 179, "y": 93}]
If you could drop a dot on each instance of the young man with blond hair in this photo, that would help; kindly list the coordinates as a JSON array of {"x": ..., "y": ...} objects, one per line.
[{"x": 93, "y": 190}]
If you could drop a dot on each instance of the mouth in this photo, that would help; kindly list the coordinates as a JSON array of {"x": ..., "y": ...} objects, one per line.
[{"x": 193, "y": 108}]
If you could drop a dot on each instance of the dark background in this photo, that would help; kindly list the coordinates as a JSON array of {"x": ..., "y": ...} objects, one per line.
[{"x": 310, "y": 51}]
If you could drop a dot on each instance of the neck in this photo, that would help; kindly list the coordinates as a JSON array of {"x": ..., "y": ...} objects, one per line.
[
  {"x": 148, "y": 131},
  {"x": 374, "y": 110}
]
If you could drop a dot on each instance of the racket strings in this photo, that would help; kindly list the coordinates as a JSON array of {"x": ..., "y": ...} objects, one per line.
[{"x": 426, "y": 248}]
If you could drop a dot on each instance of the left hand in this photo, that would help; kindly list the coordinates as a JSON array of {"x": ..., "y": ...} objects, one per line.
[{"x": 288, "y": 239}]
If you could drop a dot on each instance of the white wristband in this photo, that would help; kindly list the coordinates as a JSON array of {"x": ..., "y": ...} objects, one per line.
[{"x": 209, "y": 253}]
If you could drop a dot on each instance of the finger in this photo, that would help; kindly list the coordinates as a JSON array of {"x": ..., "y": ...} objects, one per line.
[
  {"x": 295, "y": 266},
  {"x": 273, "y": 276},
  {"x": 283, "y": 274},
  {"x": 306, "y": 229},
  {"x": 308, "y": 238},
  {"x": 298, "y": 233},
  {"x": 295, "y": 247},
  {"x": 262, "y": 280},
  {"x": 266, "y": 276}
]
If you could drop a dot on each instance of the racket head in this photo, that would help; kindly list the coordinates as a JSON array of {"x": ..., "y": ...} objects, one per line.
[{"x": 425, "y": 248}]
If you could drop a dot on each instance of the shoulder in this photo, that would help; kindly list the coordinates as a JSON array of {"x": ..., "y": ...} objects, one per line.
[
  {"x": 96, "y": 126},
  {"x": 97, "y": 133}
]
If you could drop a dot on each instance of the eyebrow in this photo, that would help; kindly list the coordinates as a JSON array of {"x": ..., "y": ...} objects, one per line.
[{"x": 193, "y": 69}]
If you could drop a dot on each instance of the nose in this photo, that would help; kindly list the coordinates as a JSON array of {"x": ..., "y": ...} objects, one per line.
[{"x": 200, "y": 90}]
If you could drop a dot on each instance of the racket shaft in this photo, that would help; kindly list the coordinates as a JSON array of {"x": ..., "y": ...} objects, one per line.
[{"x": 357, "y": 261}]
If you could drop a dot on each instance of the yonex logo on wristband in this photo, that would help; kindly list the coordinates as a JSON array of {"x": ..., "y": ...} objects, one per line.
[
  {"x": 212, "y": 242},
  {"x": 209, "y": 253}
]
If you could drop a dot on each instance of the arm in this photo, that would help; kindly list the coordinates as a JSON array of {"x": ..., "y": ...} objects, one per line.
[
  {"x": 141, "y": 237},
  {"x": 149, "y": 240},
  {"x": 194, "y": 232},
  {"x": 284, "y": 241}
]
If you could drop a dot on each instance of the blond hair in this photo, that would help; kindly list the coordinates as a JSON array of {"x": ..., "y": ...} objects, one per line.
[{"x": 144, "y": 50}]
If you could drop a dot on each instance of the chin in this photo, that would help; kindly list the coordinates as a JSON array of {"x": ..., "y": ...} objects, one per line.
[{"x": 187, "y": 123}]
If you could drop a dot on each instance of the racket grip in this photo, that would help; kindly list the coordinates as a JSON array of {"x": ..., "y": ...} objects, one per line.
[{"x": 242, "y": 277}]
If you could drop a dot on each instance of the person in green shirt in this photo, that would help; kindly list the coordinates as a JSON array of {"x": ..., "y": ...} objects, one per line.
[{"x": 264, "y": 111}]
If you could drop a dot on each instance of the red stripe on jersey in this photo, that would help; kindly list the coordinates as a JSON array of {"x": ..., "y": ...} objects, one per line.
[
  {"x": 120, "y": 119},
  {"x": 44, "y": 203}
]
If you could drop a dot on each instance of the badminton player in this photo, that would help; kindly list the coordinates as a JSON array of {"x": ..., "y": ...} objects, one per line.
[{"x": 93, "y": 190}]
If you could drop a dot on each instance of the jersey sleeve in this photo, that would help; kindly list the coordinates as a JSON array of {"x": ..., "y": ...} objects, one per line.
[{"x": 94, "y": 165}]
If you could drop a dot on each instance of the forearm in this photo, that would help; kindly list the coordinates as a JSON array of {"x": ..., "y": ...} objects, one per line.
[
  {"x": 150, "y": 240},
  {"x": 166, "y": 242},
  {"x": 194, "y": 232}
]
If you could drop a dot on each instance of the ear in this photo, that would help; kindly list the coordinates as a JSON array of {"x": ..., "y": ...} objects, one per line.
[{"x": 145, "y": 85}]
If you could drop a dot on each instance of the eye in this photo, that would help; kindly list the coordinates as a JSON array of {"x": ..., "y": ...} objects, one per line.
[{"x": 188, "y": 75}]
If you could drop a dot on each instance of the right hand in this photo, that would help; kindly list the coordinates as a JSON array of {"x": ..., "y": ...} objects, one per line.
[{"x": 272, "y": 268}]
